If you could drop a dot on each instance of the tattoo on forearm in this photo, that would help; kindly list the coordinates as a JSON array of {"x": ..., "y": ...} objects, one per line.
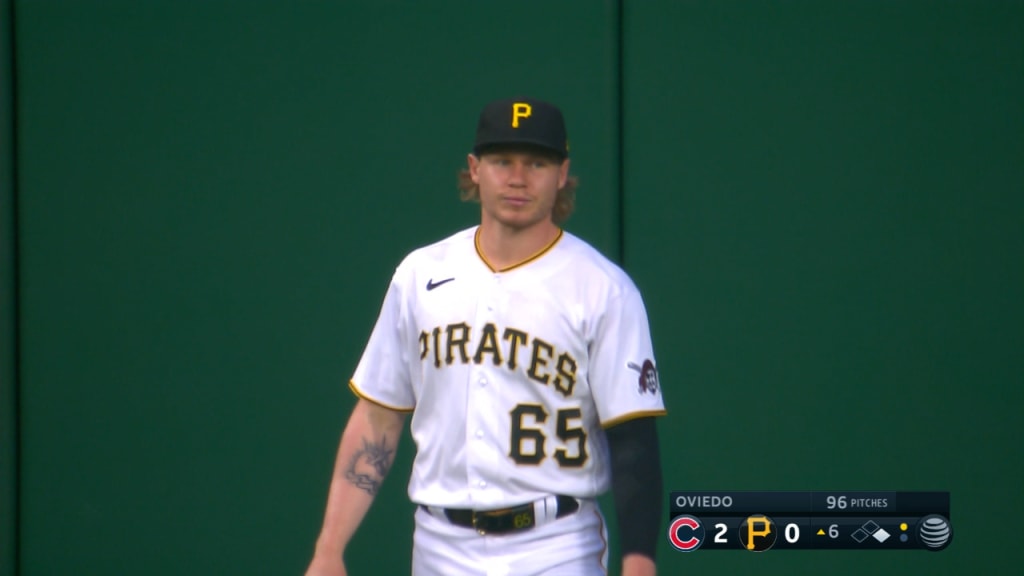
[{"x": 370, "y": 465}]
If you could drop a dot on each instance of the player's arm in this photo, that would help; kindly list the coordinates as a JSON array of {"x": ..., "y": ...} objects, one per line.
[
  {"x": 636, "y": 490},
  {"x": 365, "y": 454}
]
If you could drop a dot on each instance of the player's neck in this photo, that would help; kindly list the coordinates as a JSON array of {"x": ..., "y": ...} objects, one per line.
[{"x": 504, "y": 247}]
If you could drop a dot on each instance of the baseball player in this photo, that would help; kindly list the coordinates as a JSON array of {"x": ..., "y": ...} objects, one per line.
[{"x": 524, "y": 359}]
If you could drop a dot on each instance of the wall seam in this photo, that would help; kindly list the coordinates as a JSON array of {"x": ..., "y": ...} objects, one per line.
[
  {"x": 14, "y": 300},
  {"x": 620, "y": 187}
]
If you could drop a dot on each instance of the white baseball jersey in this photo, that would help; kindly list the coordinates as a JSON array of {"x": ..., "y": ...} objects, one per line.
[{"x": 510, "y": 375}]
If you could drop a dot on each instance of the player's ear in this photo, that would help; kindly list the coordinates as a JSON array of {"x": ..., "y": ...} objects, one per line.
[
  {"x": 474, "y": 166},
  {"x": 563, "y": 173}
]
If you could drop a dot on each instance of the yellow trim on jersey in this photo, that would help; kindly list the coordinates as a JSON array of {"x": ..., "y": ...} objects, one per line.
[
  {"x": 541, "y": 252},
  {"x": 632, "y": 416},
  {"x": 355, "y": 390},
  {"x": 604, "y": 551}
]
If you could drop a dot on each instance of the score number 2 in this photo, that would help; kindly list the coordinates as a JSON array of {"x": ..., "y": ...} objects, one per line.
[{"x": 720, "y": 535}]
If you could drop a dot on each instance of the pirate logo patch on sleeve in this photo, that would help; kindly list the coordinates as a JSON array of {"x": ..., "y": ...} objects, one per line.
[{"x": 648, "y": 381}]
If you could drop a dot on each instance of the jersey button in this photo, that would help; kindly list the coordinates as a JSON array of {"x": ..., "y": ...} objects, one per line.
[
  {"x": 479, "y": 433},
  {"x": 483, "y": 381},
  {"x": 483, "y": 484}
]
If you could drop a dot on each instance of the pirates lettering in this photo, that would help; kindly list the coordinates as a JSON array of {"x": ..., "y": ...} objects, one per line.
[{"x": 459, "y": 342}]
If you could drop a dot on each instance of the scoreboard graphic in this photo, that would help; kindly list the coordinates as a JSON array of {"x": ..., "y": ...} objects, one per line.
[{"x": 830, "y": 520}]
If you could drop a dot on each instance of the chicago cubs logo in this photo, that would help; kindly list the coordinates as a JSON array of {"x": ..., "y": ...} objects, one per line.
[
  {"x": 686, "y": 533},
  {"x": 648, "y": 377}
]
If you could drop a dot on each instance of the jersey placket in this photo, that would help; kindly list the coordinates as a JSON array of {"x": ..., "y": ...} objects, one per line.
[{"x": 484, "y": 413}]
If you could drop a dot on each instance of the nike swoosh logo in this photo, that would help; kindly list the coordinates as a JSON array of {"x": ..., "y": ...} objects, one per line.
[{"x": 431, "y": 284}]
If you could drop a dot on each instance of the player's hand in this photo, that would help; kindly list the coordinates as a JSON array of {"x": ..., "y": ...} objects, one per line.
[
  {"x": 326, "y": 565},
  {"x": 638, "y": 565}
]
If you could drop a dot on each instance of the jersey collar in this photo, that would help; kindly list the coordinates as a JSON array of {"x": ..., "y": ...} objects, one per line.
[{"x": 541, "y": 252}]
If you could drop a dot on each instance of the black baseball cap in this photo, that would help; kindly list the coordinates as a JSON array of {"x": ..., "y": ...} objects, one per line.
[{"x": 523, "y": 121}]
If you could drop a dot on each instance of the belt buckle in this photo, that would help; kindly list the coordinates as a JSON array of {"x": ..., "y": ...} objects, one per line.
[{"x": 522, "y": 518}]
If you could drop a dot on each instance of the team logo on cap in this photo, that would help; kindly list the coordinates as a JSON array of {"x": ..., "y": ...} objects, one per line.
[
  {"x": 520, "y": 110},
  {"x": 648, "y": 381}
]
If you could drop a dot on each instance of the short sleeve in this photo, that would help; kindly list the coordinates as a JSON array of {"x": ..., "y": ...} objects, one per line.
[
  {"x": 623, "y": 373},
  {"x": 382, "y": 375}
]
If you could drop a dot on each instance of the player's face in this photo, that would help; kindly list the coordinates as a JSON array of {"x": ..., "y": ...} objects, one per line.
[{"x": 517, "y": 187}]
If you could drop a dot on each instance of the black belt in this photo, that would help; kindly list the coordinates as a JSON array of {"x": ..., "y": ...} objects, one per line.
[{"x": 505, "y": 520}]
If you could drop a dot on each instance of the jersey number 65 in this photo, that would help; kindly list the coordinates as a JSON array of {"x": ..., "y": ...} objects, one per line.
[{"x": 527, "y": 442}]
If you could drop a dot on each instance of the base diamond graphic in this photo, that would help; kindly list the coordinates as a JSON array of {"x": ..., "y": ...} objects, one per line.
[{"x": 881, "y": 535}]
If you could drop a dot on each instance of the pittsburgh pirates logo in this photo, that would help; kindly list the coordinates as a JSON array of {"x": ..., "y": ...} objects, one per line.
[
  {"x": 648, "y": 381},
  {"x": 520, "y": 110}
]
